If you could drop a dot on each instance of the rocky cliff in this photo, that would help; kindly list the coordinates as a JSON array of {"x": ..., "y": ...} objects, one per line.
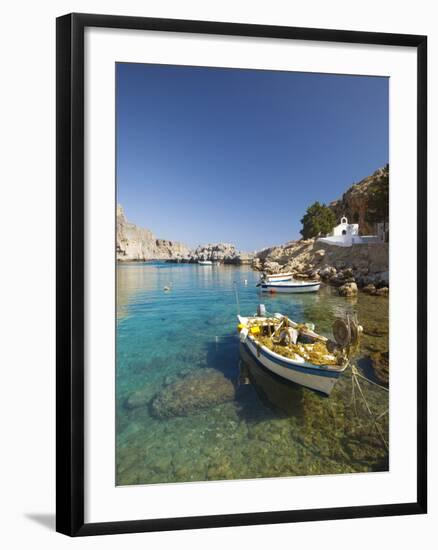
[
  {"x": 137, "y": 244},
  {"x": 354, "y": 202}
]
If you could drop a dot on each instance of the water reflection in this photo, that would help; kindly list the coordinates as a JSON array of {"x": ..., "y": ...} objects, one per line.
[
  {"x": 133, "y": 280},
  {"x": 274, "y": 392}
]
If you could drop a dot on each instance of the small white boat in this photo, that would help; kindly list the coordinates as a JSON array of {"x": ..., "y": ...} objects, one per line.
[
  {"x": 205, "y": 262},
  {"x": 276, "y": 277},
  {"x": 294, "y": 365},
  {"x": 290, "y": 287}
]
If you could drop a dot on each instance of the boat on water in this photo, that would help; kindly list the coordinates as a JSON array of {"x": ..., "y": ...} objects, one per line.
[
  {"x": 290, "y": 287},
  {"x": 276, "y": 277},
  {"x": 205, "y": 262},
  {"x": 296, "y": 352}
]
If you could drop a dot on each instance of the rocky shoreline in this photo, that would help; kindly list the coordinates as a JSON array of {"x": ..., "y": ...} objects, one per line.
[
  {"x": 358, "y": 267},
  {"x": 363, "y": 266}
]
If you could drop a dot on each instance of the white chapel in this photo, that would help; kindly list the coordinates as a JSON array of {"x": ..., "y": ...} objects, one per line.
[{"x": 347, "y": 234}]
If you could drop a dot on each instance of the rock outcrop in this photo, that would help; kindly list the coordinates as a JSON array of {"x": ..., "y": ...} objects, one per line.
[
  {"x": 354, "y": 201},
  {"x": 137, "y": 244},
  {"x": 220, "y": 252},
  {"x": 193, "y": 394},
  {"x": 348, "y": 289}
]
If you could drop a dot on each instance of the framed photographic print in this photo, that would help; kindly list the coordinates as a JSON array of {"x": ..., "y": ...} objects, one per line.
[{"x": 241, "y": 274}]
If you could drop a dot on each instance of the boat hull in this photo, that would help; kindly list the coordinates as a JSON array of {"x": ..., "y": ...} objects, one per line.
[
  {"x": 290, "y": 288},
  {"x": 303, "y": 374}
]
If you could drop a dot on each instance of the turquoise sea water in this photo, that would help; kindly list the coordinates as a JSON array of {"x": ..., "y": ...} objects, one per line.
[{"x": 271, "y": 427}]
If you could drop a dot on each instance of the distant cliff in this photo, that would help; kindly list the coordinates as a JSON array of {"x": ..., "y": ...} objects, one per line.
[
  {"x": 221, "y": 252},
  {"x": 137, "y": 244},
  {"x": 355, "y": 201}
]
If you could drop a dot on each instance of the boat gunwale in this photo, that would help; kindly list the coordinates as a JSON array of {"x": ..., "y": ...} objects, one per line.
[
  {"x": 277, "y": 275},
  {"x": 287, "y": 284}
]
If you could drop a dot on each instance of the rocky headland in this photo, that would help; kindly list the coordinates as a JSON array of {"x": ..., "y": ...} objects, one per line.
[
  {"x": 361, "y": 266},
  {"x": 137, "y": 244}
]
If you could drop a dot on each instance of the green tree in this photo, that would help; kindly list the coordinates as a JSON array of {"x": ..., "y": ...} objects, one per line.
[{"x": 318, "y": 220}]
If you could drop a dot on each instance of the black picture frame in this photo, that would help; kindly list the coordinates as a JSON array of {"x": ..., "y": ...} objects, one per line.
[{"x": 70, "y": 273}]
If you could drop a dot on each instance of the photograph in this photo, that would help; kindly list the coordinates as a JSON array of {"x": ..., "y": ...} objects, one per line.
[{"x": 252, "y": 274}]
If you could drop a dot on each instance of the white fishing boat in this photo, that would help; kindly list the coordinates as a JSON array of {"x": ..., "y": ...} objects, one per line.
[
  {"x": 297, "y": 353},
  {"x": 205, "y": 262},
  {"x": 276, "y": 277},
  {"x": 290, "y": 287}
]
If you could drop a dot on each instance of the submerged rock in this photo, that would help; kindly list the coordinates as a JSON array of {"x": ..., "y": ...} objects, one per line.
[
  {"x": 380, "y": 362},
  {"x": 371, "y": 328},
  {"x": 139, "y": 398},
  {"x": 193, "y": 394}
]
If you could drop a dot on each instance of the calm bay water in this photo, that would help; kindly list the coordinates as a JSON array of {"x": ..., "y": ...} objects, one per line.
[{"x": 271, "y": 428}]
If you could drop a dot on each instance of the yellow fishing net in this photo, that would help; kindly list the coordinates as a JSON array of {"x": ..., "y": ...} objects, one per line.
[
  {"x": 315, "y": 353},
  {"x": 266, "y": 331}
]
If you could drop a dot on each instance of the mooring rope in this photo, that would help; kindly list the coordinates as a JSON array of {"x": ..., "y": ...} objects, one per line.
[
  {"x": 355, "y": 375},
  {"x": 370, "y": 381},
  {"x": 353, "y": 397},
  {"x": 237, "y": 298},
  {"x": 382, "y": 414}
]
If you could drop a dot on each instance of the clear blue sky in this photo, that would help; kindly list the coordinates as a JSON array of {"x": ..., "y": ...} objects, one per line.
[{"x": 230, "y": 155}]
